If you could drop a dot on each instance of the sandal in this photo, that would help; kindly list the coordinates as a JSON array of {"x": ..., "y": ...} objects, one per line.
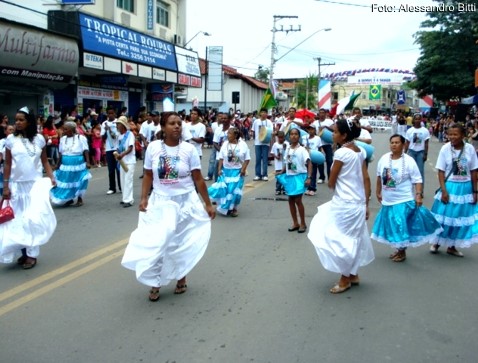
[
  {"x": 302, "y": 229},
  {"x": 29, "y": 263},
  {"x": 393, "y": 255},
  {"x": 354, "y": 281},
  {"x": 293, "y": 229},
  {"x": 234, "y": 213},
  {"x": 180, "y": 289},
  {"x": 21, "y": 260},
  {"x": 337, "y": 289},
  {"x": 434, "y": 249},
  {"x": 154, "y": 294},
  {"x": 454, "y": 252},
  {"x": 400, "y": 257}
]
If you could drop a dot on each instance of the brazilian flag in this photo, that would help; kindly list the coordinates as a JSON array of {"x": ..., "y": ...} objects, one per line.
[
  {"x": 268, "y": 100},
  {"x": 375, "y": 92}
]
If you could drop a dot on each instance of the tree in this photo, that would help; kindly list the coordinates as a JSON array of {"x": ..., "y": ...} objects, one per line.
[
  {"x": 449, "y": 55},
  {"x": 262, "y": 74},
  {"x": 304, "y": 98}
]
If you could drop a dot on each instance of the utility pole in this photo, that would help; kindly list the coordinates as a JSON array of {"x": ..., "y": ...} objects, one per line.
[
  {"x": 319, "y": 63},
  {"x": 273, "y": 44}
]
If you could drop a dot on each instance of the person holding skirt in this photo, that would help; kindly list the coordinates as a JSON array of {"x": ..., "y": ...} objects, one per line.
[
  {"x": 402, "y": 221},
  {"x": 28, "y": 193},
  {"x": 174, "y": 227},
  {"x": 72, "y": 174},
  {"x": 455, "y": 205},
  {"x": 234, "y": 157},
  {"x": 295, "y": 177},
  {"x": 339, "y": 230}
]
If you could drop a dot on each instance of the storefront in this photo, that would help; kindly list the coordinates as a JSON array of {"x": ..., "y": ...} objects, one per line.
[
  {"x": 33, "y": 64},
  {"x": 122, "y": 67}
]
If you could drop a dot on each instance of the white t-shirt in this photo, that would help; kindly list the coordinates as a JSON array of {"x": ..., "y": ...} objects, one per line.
[
  {"x": 256, "y": 126},
  {"x": 311, "y": 144},
  {"x": 219, "y": 137},
  {"x": 397, "y": 183},
  {"x": 288, "y": 121},
  {"x": 185, "y": 133},
  {"x": 416, "y": 138},
  {"x": 171, "y": 167},
  {"x": 461, "y": 170},
  {"x": 148, "y": 130},
  {"x": 279, "y": 150},
  {"x": 234, "y": 155},
  {"x": 350, "y": 184},
  {"x": 296, "y": 160},
  {"x": 129, "y": 158},
  {"x": 74, "y": 145},
  {"x": 25, "y": 167},
  {"x": 198, "y": 130},
  {"x": 111, "y": 143},
  {"x": 365, "y": 135}
]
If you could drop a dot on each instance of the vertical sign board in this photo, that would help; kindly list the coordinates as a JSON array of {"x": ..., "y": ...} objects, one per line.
[
  {"x": 150, "y": 15},
  {"x": 214, "y": 57}
]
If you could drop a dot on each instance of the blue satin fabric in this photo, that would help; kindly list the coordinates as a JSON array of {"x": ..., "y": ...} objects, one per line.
[
  {"x": 293, "y": 184},
  {"x": 403, "y": 225},
  {"x": 227, "y": 191}
]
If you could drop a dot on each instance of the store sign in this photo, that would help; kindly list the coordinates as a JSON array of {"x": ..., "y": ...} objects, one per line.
[
  {"x": 36, "y": 55},
  {"x": 159, "y": 74},
  {"x": 188, "y": 62},
  {"x": 107, "y": 38},
  {"x": 196, "y": 82},
  {"x": 92, "y": 61},
  {"x": 184, "y": 79}
]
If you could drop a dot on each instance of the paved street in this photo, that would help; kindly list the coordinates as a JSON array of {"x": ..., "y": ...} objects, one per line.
[{"x": 259, "y": 295}]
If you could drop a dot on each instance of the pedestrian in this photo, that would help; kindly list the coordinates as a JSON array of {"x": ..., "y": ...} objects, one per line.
[
  {"x": 402, "y": 221},
  {"x": 27, "y": 192},
  {"x": 234, "y": 158},
  {"x": 260, "y": 128},
  {"x": 96, "y": 144},
  {"x": 312, "y": 143},
  {"x": 295, "y": 177},
  {"x": 52, "y": 138},
  {"x": 220, "y": 136},
  {"x": 455, "y": 205},
  {"x": 339, "y": 229},
  {"x": 197, "y": 130},
  {"x": 110, "y": 136},
  {"x": 126, "y": 160},
  {"x": 174, "y": 227},
  {"x": 416, "y": 144},
  {"x": 323, "y": 125},
  {"x": 278, "y": 151},
  {"x": 72, "y": 173}
]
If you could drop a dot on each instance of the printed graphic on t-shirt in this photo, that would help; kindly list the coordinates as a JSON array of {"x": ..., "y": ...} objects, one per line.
[
  {"x": 232, "y": 157},
  {"x": 292, "y": 163},
  {"x": 417, "y": 139},
  {"x": 459, "y": 168},
  {"x": 168, "y": 171},
  {"x": 388, "y": 179}
]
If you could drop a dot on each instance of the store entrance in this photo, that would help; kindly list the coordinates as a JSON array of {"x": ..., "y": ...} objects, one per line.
[
  {"x": 92, "y": 104},
  {"x": 117, "y": 105}
]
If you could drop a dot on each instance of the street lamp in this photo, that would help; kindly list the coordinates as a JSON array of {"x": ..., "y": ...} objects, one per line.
[{"x": 195, "y": 35}]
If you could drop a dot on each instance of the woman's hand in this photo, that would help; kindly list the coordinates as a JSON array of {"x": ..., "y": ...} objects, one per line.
[
  {"x": 307, "y": 181},
  {"x": 211, "y": 211},
  {"x": 143, "y": 205},
  {"x": 445, "y": 198},
  {"x": 6, "y": 193},
  {"x": 53, "y": 181},
  {"x": 418, "y": 200}
]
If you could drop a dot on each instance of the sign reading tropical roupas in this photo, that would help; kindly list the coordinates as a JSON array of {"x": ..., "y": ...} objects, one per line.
[{"x": 103, "y": 37}]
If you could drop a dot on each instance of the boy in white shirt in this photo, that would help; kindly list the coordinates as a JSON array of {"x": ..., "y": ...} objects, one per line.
[{"x": 312, "y": 142}]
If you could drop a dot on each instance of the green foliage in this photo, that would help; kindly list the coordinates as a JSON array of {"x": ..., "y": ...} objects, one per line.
[
  {"x": 262, "y": 74},
  {"x": 449, "y": 53},
  {"x": 310, "y": 83}
]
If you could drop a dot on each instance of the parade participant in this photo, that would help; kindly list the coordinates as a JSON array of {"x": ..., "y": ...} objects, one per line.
[
  {"x": 324, "y": 123},
  {"x": 197, "y": 130},
  {"x": 220, "y": 135},
  {"x": 110, "y": 134},
  {"x": 339, "y": 229},
  {"x": 212, "y": 169},
  {"x": 261, "y": 147},
  {"x": 174, "y": 227},
  {"x": 295, "y": 177},
  {"x": 455, "y": 205},
  {"x": 416, "y": 144},
  {"x": 291, "y": 119},
  {"x": 278, "y": 152},
  {"x": 72, "y": 173},
  {"x": 126, "y": 157},
  {"x": 234, "y": 158},
  {"x": 27, "y": 192},
  {"x": 364, "y": 124},
  {"x": 402, "y": 220},
  {"x": 96, "y": 144},
  {"x": 312, "y": 142}
]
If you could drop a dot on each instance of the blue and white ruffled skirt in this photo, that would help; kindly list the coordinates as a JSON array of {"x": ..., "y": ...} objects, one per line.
[{"x": 71, "y": 179}]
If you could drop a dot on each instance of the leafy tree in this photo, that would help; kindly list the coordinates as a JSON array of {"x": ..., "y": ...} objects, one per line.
[
  {"x": 262, "y": 74},
  {"x": 449, "y": 55},
  {"x": 305, "y": 99}
]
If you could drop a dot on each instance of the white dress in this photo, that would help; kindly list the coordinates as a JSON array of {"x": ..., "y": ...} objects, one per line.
[
  {"x": 173, "y": 234},
  {"x": 34, "y": 221},
  {"x": 339, "y": 229}
]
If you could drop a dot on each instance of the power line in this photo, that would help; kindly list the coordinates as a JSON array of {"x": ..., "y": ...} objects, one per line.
[{"x": 342, "y": 3}]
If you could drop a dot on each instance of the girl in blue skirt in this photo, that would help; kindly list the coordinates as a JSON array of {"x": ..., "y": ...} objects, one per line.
[
  {"x": 295, "y": 177},
  {"x": 402, "y": 221},
  {"x": 455, "y": 205}
]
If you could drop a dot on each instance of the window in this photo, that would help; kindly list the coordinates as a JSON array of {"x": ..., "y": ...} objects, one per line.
[
  {"x": 127, "y": 5},
  {"x": 162, "y": 14}
]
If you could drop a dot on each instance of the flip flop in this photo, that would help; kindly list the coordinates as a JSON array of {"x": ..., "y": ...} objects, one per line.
[
  {"x": 180, "y": 289},
  {"x": 302, "y": 230},
  {"x": 153, "y": 295},
  {"x": 29, "y": 263}
]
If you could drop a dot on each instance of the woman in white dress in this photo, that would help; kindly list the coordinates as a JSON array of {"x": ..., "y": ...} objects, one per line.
[
  {"x": 72, "y": 173},
  {"x": 174, "y": 227},
  {"x": 339, "y": 229},
  {"x": 28, "y": 192}
]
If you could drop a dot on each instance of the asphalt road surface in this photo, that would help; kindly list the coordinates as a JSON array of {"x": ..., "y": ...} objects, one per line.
[{"x": 259, "y": 294}]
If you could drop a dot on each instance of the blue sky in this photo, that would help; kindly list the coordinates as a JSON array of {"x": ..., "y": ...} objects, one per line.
[{"x": 360, "y": 37}]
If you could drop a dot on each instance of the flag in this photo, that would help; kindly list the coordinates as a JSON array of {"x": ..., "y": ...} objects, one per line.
[
  {"x": 346, "y": 103},
  {"x": 268, "y": 100},
  {"x": 375, "y": 92}
]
